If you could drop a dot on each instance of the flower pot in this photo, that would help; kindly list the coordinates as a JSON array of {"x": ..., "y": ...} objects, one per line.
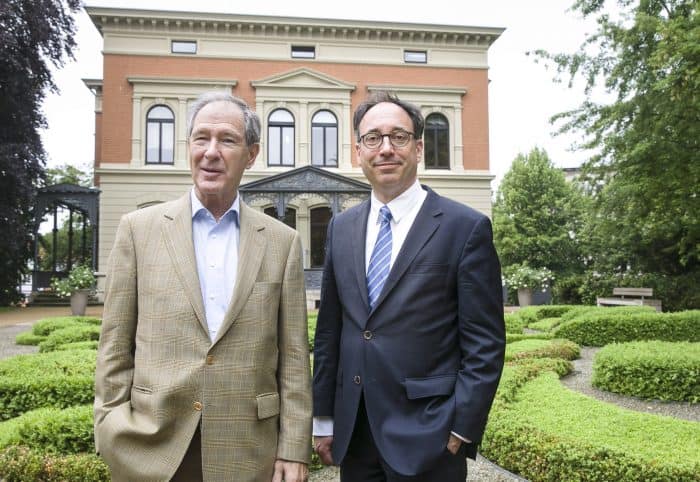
[
  {"x": 78, "y": 302},
  {"x": 524, "y": 296}
]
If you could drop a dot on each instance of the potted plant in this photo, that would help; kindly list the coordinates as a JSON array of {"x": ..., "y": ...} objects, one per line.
[
  {"x": 77, "y": 285},
  {"x": 526, "y": 279}
]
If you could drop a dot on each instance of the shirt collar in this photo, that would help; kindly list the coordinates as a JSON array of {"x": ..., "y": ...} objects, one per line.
[
  {"x": 198, "y": 207},
  {"x": 401, "y": 204}
]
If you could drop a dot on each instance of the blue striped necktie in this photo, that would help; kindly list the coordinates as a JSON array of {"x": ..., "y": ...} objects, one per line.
[{"x": 380, "y": 260}]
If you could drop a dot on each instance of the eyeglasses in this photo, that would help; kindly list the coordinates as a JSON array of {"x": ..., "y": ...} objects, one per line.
[{"x": 398, "y": 138}]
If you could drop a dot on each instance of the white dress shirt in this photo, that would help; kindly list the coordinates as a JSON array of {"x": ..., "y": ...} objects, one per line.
[{"x": 216, "y": 252}]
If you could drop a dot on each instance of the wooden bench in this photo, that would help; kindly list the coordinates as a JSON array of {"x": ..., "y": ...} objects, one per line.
[{"x": 630, "y": 297}]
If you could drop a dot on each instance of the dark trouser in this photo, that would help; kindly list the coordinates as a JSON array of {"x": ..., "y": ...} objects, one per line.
[
  {"x": 190, "y": 469},
  {"x": 363, "y": 463}
]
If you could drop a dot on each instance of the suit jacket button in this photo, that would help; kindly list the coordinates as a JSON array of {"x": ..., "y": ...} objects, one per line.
[
  {"x": 210, "y": 359},
  {"x": 197, "y": 406},
  {"x": 367, "y": 334},
  {"x": 356, "y": 379}
]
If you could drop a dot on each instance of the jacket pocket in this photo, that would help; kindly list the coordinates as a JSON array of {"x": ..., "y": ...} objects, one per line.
[
  {"x": 435, "y": 386},
  {"x": 268, "y": 405},
  {"x": 428, "y": 268}
]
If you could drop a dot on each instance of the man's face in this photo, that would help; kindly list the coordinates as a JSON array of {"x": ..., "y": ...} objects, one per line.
[
  {"x": 390, "y": 170},
  {"x": 219, "y": 153}
]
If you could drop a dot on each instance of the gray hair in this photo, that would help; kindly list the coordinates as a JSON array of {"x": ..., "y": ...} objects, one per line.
[
  {"x": 250, "y": 118},
  {"x": 384, "y": 96}
]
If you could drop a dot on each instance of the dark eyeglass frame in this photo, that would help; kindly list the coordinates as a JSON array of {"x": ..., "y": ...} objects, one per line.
[{"x": 390, "y": 135}]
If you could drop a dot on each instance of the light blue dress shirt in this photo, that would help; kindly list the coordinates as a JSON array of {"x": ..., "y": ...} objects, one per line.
[{"x": 216, "y": 252}]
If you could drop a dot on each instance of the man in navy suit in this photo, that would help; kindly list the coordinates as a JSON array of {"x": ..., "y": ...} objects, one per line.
[{"x": 410, "y": 337}]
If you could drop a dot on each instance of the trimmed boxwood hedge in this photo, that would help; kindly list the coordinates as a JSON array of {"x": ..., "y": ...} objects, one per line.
[
  {"x": 578, "y": 310},
  {"x": 55, "y": 379},
  {"x": 511, "y": 337},
  {"x": 531, "y": 314},
  {"x": 70, "y": 334},
  {"x": 78, "y": 345},
  {"x": 22, "y": 464},
  {"x": 533, "y": 348},
  {"x": 64, "y": 431},
  {"x": 650, "y": 369},
  {"x": 514, "y": 324},
  {"x": 545, "y": 432},
  {"x": 600, "y": 328},
  {"x": 545, "y": 324},
  {"x": 44, "y": 327}
]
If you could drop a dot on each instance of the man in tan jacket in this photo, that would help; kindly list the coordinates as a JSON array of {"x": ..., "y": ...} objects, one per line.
[{"x": 203, "y": 364}]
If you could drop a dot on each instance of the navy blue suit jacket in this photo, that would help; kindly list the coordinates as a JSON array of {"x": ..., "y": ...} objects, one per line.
[{"x": 429, "y": 356}]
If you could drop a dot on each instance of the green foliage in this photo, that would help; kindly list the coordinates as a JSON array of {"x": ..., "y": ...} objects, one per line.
[
  {"x": 69, "y": 334},
  {"x": 21, "y": 464},
  {"x": 650, "y": 369},
  {"x": 46, "y": 326},
  {"x": 644, "y": 174},
  {"x": 519, "y": 276},
  {"x": 35, "y": 37},
  {"x": 536, "y": 216},
  {"x": 56, "y": 379},
  {"x": 534, "y": 348},
  {"x": 514, "y": 323},
  {"x": 80, "y": 277},
  {"x": 28, "y": 338},
  {"x": 608, "y": 325},
  {"x": 69, "y": 174},
  {"x": 512, "y": 337},
  {"x": 311, "y": 327},
  {"x": 78, "y": 345},
  {"x": 545, "y": 432},
  {"x": 63, "y": 431},
  {"x": 545, "y": 324}
]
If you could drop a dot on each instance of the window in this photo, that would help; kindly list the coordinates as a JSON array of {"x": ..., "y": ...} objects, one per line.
[
  {"x": 183, "y": 47},
  {"x": 320, "y": 217},
  {"x": 437, "y": 142},
  {"x": 303, "y": 52},
  {"x": 160, "y": 135},
  {"x": 280, "y": 138},
  {"x": 290, "y": 216},
  {"x": 415, "y": 56},
  {"x": 324, "y": 139}
]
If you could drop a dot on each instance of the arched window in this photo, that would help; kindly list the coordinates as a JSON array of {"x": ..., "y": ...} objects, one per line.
[
  {"x": 280, "y": 138},
  {"x": 320, "y": 217},
  {"x": 160, "y": 135},
  {"x": 324, "y": 139},
  {"x": 290, "y": 216},
  {"x": 437, "y": 142}
]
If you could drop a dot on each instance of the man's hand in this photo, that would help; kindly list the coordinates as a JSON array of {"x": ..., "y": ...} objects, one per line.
[
  {"x": 290, "y": 471},
  {"x": 322, "y": 446},
  {"x": 453, "y": 444}
]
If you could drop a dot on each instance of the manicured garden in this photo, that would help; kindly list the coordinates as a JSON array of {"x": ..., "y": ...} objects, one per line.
[{"x": 538, "y": 428}]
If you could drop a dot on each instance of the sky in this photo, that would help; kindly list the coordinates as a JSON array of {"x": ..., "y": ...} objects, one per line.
[{"x": 522, "y": 94}]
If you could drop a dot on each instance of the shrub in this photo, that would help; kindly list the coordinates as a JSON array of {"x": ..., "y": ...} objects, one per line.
[
  {"x": 650, "y": 369},
  {"x": 70, "y": 334},
  {"x": 80, "y": 277},
  {"x": 512, "y": 337},
  {"x": 29, "y": 338},
  {"x": 22, "y": 464},
  {"x": 311, "y": 327},
  {"x": 533, "y": 348},
  {"x": 545, "y": 324},
  {"x": 522, "y": 276},
  {"x": 56, "y": 379},
  {"x": 46, "y": 326},
  {"x": 548, "y": 433},
  {"x": 598, "y": 328},
  {"x": 514, "y": 323},
  {"x": 64, "y": 431},
  {"x": 78, "y": 345}
]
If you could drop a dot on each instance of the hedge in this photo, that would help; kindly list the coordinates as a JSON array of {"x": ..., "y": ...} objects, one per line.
[
  {"x": 64, "y": 431},
  {"x": 29, "y": 338},
  {"x": 545, "y": 432},
  {"x": 650, "y": 369},
  {"x": 44, "y": 327},
  {"x": 514, "y": 324},
  {"x": 545, "y": 324},
  {"x": 78, "y": 345},
  {"x": 534, "y": 348},
  {"x": 70, "y": 334},
  {"x": 608, "y": 325},
  {"x": 511, "y": 337},
  {"x": 55, "y": 379},
  {"x": 22, "y": 464},
  {"x": 533, "y": 313},
  {"x": 577, "y": 311}
]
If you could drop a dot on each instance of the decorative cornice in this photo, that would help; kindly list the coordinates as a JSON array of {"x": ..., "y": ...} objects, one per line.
[
  {"x": 290, "y": 28},
  {"x": 418, "y": 88},
  {"x": 181, "y": 81}
]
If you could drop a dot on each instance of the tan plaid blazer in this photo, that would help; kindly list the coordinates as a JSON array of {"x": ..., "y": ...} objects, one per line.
[{"x": 158, "y": 374}]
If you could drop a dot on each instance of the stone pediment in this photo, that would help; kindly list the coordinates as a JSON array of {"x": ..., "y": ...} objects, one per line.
[
  {"x": 303, "y": 78},
  {"x": 307, "y": 179}
]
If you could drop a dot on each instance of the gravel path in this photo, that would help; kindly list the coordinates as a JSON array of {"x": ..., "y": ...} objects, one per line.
[
  {"x": 7, "y": 341},
  {"x": 580, "y": 380}
]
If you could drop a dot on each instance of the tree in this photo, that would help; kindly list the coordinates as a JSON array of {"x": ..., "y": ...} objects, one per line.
[
  {"x": 537, "y": 216},
  {"x": 67, "y": 173},
  {"x": 646, "y": 213},
  {"x": 33, "y": 35}
]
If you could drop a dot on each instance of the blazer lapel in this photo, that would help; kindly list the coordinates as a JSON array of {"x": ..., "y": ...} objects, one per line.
[
  {"x": 426, "y": 223},
  {"x": 177, "y": 231},
  {"x": 251, "y": 250},
  {"x": 358, "y": 248}
]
